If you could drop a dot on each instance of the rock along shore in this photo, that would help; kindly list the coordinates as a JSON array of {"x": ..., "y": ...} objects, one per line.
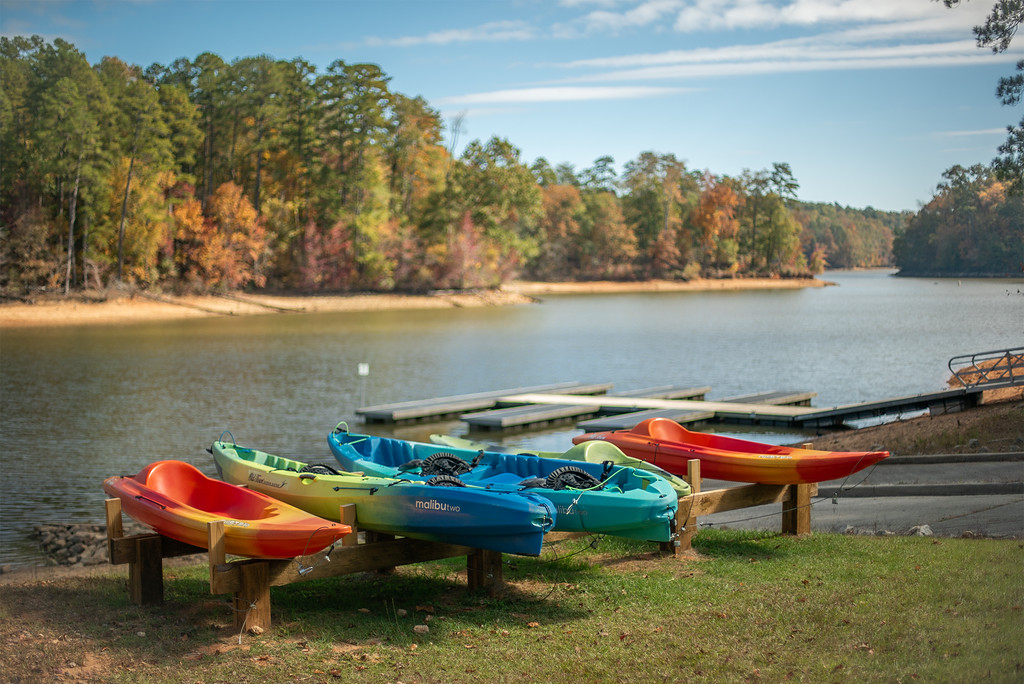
[{"x": 78, "y": 543}]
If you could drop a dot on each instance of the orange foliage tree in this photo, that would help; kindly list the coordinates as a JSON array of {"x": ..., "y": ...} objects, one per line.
[
  {"x": 715, "y": 224},
  {"x": 226, "y": 249}
]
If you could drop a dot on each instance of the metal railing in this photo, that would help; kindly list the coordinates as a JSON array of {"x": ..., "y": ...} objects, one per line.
[{"x": 1000, "y": 368}]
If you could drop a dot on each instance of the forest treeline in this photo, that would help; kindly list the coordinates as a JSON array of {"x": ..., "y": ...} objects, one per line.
[
  {"x": 973, "y": 226},
  {"x": 204, "y": 175}
]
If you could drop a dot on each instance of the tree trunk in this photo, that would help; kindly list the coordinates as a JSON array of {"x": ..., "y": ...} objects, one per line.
[
  {"x": 71, "y": 226},
  {"x": 207, "y": 161},
  {"x": 124, "y": 209},
  {"x": 259, "y": 166}
]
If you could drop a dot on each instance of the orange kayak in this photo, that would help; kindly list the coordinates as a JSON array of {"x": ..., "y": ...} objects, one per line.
[
  {"x": 177, "y": 500},
  {"x": 669, "y": 445}
]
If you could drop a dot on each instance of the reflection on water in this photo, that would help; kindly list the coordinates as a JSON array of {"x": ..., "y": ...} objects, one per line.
[{"x": 81, "y": 404}]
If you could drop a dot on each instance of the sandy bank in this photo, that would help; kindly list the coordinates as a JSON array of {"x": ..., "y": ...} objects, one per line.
[
  {"x": 699, "y": 285},
  {"x": 117, "y": 308}
]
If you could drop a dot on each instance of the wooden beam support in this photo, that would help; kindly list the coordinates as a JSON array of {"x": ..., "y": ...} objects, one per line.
[
  {"x": 796, "y": 509},
  {"x": 348, "y": 517},
  {"x": 732, "y": 498},
  {"x": 483, "y": 569},
  {"x": 686, "y": 511},
  {"x": 215, "y": 549},
  {"x": 115, "y": 525},
  {"x": 146, "y": 572},
  {"x": 252, "y": 600}
]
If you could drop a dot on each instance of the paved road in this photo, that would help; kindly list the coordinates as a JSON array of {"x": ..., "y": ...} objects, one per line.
[{"x": 953, "y": 494}]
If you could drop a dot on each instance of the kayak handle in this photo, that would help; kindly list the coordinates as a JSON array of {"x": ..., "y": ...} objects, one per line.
[
  {"x": 228, "y": 433},
  {"x": 338, "y": 427},
  {"x": 139, "y": 497}
]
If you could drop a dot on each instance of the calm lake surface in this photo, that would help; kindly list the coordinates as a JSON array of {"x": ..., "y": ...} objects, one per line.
[{"x": 80, "y": 404}]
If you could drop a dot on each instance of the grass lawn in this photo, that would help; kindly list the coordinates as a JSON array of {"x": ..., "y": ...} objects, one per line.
[{"x": 747, "y": 606}]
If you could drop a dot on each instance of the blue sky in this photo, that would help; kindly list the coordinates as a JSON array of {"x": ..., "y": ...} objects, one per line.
[{"x": 869, "y": 101}]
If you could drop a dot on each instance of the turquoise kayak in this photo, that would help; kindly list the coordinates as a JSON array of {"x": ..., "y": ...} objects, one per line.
[
  {"x": 602, "y": 498},
  {"x": 504, "y": 521},
  {"x": 593, "y": 453}
]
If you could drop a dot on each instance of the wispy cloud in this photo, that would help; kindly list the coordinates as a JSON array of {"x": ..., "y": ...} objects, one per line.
[
  {"x": 839, "y": 35},
  {"x": 497, "y": 31},
  {"x": 561, "y": 94},
  {"x": 689, "y": 16},
  {"x": 865, "y": 19},
  {"x": 798, "y": 49},
  {"x": 821, "y": 53},
  {"x": 966, "y": 134}
]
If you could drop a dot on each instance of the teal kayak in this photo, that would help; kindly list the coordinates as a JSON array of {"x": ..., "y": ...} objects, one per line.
[
  {"x": 504, "y": 521},
  {"x": 594, "y": 454},
  {"x": 602, "y": 498}
]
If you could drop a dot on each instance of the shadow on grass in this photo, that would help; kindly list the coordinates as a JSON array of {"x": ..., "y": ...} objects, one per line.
[
  {"x": 91, "y": 619},
  {"x": 358, "y": 609},
  {"x": 743, "y": 544}
]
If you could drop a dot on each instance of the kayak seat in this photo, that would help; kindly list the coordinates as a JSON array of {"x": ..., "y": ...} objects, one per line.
[
  {"x": 387, "y": 452},
  {"x": 497, "y": 478}
]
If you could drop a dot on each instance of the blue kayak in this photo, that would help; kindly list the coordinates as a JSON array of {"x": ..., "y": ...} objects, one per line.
[
  {"x": 509, "y": 522},
  {"x": 602, "y": 498}
]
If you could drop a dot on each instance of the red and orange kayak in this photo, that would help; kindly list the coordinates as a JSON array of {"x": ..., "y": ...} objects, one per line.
[
  {"x": 669, "y": 445},
  {"x": 178, "y": 501}
]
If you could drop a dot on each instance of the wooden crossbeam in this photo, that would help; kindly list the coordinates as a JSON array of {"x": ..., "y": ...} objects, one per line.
[{"x": 795, "y": 500}]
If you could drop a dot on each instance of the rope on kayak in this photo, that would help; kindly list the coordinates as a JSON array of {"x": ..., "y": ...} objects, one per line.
[
  {"x": 595, "y": 539},
  {"x": 306, "y": 569},
  {"x": 842, "y": 486}
]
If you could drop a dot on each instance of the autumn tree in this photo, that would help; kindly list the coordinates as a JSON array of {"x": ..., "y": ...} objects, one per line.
[
  {"x": 226, "y": 249},
  {"x": 971, "y": 226},
  {"x": 655, "y": 206},
  {"x": 716, "y": 226},
  {"x": 502, "y": 199},
  {"x": 560, "y": 233},
  {"x": 144, "y": 150},
  {"x": 770, "y": 237}
]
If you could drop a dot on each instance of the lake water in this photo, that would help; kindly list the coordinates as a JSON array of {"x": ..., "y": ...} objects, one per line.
[{"x": 80, "y": 404}]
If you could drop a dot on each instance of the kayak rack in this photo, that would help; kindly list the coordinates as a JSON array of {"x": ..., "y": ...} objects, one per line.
[
  {"x": 795, "y": 500},
  {"x": 250, "y": 579}
]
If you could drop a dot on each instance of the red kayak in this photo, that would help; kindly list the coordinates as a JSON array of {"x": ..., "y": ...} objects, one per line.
[
  {"x": 669, "y": 445},
  {"x": 177, "y": 500}
]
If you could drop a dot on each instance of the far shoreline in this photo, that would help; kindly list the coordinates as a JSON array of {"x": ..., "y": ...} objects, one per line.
[{"x": 116, "y": 307}]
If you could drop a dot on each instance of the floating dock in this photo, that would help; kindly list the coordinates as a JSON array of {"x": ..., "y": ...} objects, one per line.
[
  {"x": 593, "y": 408},
  {"x": 534, "y": 414},
  {"x": 441, "y": 408},
  {"x": 624, "y": 421}
]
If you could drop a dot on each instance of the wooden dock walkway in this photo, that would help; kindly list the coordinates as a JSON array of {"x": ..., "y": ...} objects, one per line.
[
  {"x": 732, "y": 412},
  {"x": 532, "y": 415},
  {"x": 440, "y": 408},
  {"x": 624, "y": 421}
]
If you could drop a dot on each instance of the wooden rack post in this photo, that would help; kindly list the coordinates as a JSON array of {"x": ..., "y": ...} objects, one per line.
[
  {"x": 685, "y": 524},
  {"x": 144, "y": 554}
]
